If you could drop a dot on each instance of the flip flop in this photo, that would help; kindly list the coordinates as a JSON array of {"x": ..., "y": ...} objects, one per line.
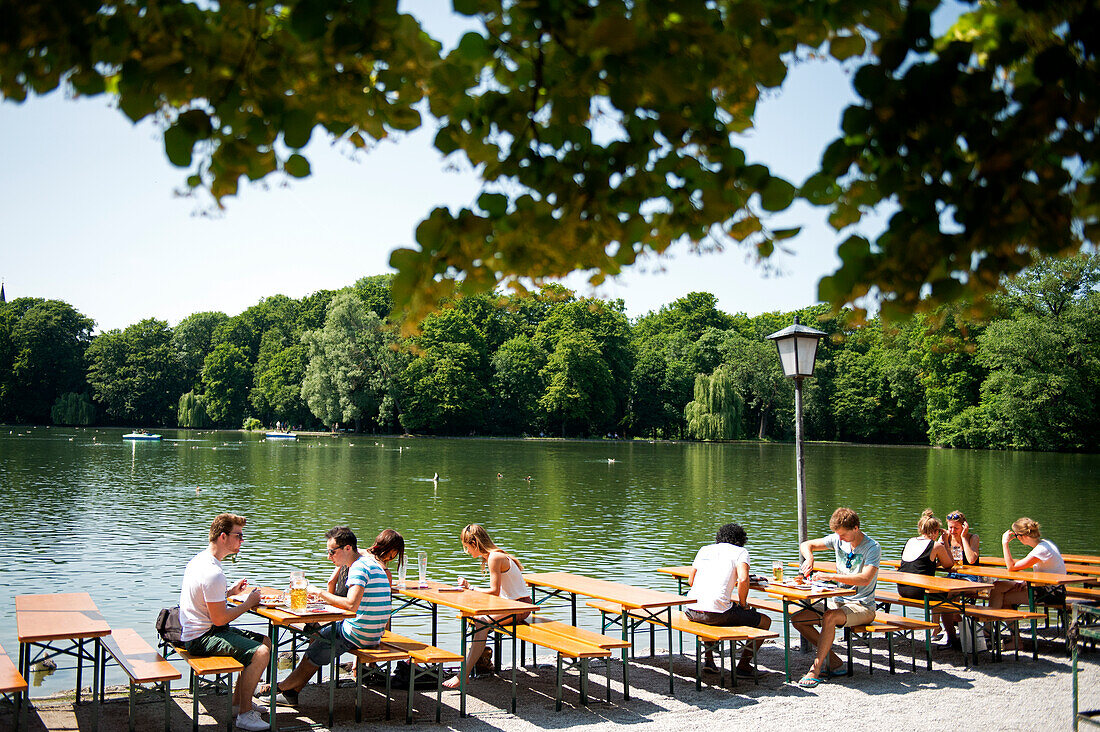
[
  {"x": 836, "y": 673},
  {"x": 809, "y": 682}
]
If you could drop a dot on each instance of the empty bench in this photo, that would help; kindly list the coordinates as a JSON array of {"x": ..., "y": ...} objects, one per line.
[
  {"x": 568, "y": 642},
  {"x": 143, "y": 665},
  {"x": 12, "y": 683},
  {"x": 421, "y": 654},
  {"x": 216, "y": 666},
  {"x": 704, "y": 634},
  {"x": 382, "y": 655}
]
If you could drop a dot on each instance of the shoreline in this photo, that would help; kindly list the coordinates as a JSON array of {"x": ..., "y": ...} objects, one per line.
[{"x": 1015, "y": 694}]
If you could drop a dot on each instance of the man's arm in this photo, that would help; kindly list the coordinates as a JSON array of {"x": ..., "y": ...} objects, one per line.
[
  {"x": 222, "y": 614},
  {"x": 349, "y": 603},
  {"x": 691, "y": 577},
  {"x": 806, "y": 551},
  {"x": 864, "y": 577},
  {"x": 742, "y": 583}
]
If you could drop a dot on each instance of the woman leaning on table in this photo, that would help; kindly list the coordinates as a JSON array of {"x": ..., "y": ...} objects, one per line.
[
  {"x": 964, "y": 549},
  {"x": 1043, "y": 557},
  {"x": 505, "y": 580}
]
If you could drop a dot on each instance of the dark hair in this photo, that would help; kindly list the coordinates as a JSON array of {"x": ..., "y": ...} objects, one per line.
[
  {"x": 732, "y": 534},
  {"x": 344, "y": 537},
  {"x": 389, "y": 541},
  {"x": 224, "y": 523}
]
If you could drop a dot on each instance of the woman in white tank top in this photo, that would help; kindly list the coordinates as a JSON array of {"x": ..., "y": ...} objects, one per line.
[{"x": 505, "y": 580}]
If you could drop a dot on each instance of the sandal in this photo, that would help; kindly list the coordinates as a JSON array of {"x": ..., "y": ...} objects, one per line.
[
  {"x": 838, "y": 672},
  {"x": 809, "y": 681}
]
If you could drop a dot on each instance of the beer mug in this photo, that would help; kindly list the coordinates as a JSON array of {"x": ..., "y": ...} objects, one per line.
[{"x": 298, "y": 590}]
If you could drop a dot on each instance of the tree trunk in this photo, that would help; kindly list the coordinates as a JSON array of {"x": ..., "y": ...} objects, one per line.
[{"x": 763, "y": 425}]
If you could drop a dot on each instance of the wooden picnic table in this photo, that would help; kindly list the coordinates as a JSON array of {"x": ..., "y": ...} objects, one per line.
[
  {"x": 71, "y": 619},
  {"x": 649, "y": 605},
  {"x": 956, "y": 593},
  {"x": 805, "y": 599},
  {"x": 1081, "y": 558},
  {"x": 279, "y": 617},
  {"x": 1089, "y": 570},
  {"x": 472, "y": 606}
]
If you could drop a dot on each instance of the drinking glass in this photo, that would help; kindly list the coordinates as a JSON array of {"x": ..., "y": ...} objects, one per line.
[
  {"x": 422, "y": 560},
  {"x": 777, "y": 570},
  {"x": 402, "y": 571},
  {"x": 298, "y": 589}
]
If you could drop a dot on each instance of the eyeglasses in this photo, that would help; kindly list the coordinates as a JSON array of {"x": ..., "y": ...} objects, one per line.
[
  {"x": 955, "y": 516},
  {"x": 238, "y": 534},
  {"x": 848, "y": 560}
]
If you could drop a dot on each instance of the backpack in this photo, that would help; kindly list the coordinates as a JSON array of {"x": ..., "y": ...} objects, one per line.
[{"x": 168, "y": 625}]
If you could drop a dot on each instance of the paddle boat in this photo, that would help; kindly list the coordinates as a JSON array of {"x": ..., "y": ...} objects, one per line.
[
  {"x": 280, "y": 436},
  {"x": 140, "y": 436}
]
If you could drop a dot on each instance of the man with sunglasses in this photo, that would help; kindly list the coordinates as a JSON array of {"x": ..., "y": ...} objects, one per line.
[
  {"x": 368, "y": 597},
  {"x": 205, "y": 616},
  {"x": 857, "y": 559}
]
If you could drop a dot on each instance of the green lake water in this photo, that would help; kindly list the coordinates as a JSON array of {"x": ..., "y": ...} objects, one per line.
[{"x": 86, "y": 511}]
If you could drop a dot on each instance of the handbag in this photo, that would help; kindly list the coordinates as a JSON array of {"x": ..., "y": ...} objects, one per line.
[
  {"x": 968, "y": 638},
  {"x": 168, "y": 625}
]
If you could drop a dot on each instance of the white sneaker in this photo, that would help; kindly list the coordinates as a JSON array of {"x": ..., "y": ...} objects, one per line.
[{"x": 251, "y": 721}]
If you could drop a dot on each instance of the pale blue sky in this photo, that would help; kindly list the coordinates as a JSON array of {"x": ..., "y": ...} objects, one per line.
[{"x": 88, "y": 213}]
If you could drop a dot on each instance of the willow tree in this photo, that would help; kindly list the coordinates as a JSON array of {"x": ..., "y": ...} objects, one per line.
[
  {"x": 715, "y": 413},
  {"x": 607, "y": 129},
  {"x": 191, "y": 412}
]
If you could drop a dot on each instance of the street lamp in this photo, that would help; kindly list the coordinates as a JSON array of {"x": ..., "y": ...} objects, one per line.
[{"x": 797, "y": 345}]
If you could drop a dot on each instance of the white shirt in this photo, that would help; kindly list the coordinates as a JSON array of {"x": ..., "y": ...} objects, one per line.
[
  {"x": 716, "y": 576},
  {"x": 1050, "y": 559},
  {"x": 203, "y": 581}
]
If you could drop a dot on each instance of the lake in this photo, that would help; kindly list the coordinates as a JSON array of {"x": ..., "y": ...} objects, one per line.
[{"x": 87, "y": 511}]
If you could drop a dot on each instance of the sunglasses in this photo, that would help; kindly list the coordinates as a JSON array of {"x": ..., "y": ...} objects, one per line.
[
  {"x": 955, "y": 516},
  {"x": 848, "y": 560}
]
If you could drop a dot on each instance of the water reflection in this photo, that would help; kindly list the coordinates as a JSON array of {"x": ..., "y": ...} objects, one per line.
[{"x": 86, "y": 511}]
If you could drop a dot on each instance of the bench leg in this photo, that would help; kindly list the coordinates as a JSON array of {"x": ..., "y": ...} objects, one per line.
[
  {"x": 439, "y": 692},
  {"x": 626, "y": 661},
  {"x": 584, "y": 682},
  {"x": 870, "y": 657},
  {"x": 412, "y": 690},
  {"x": 848, "y": 642},
  {"x": 228, "y": 702},
  {"x": 890, "y": 649},
  {"x": 195, "y": 703},
  {"x": 167, "y": 706},
  {"x": 513, "y": 663},
  {"x": 358, "y": 691},
  {"x": 130, "y": 707},
  {"x": 389, "y": 687},
  {"x": 698, "y": 666},
  {"x": 557, "y": 697}
]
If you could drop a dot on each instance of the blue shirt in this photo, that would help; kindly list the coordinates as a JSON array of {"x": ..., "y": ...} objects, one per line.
[
  {"x": 852, "y": 560},
  {"x": 365, "y": 629}
]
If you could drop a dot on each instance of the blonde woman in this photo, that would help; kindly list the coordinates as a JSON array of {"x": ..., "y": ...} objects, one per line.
[
  {"x": 959, "y": 540},
  {"x": 924, "y": 554},
  {"x": 1043, "y": 557},
  {"x": 505, "y": 580}
]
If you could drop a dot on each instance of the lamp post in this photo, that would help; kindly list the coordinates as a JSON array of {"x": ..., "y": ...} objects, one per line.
[{"x": 797, "y": 345}]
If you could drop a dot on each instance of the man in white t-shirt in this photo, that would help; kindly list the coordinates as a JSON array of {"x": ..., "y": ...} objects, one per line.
[
  {"x": 719, "y": 571},
  {"x": 205, "y": 616}
]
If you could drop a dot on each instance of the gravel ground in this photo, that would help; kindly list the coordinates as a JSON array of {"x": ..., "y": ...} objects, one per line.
[{"x": 1022, "y": 694}]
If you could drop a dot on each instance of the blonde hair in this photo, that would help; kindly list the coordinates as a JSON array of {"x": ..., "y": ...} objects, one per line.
[
  {"x": 224, "y": 523},
  {"x": 1026, "y": 527},
  {"x": 476, "y": 536},
  {"x": 929, "y": 526}
]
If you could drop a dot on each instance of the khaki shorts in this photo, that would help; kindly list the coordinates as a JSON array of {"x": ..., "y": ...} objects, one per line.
[{"x": 855, "y": 613}]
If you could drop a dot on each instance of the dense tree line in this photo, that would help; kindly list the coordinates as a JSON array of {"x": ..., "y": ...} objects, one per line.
[{"x": 557, "y": 364}]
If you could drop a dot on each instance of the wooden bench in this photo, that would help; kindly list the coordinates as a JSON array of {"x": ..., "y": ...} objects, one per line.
[
  {"x": 999, "y": 617},
  {"x": 571, "y": 632},
  {"x": 143, "y": 665},
  {"x": 421, "y": 654},
  {"x": 12, "y": 683},
  {"x": 568, "y": 642},
  {"x": 216, "y": 666},
  {"x": 704, "y": 634},
  {"x": 382, "y": 655}
]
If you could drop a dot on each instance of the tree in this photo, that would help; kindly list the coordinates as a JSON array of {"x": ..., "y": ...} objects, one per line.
[
  {"x": 71, "y": 408},
  {"x": 602, "y": 131},
  {"x": 580, "y": 391},
  {"x": 192, "y": 341},
  {"x": 516, "y": 386},
  {"x": 442, "y": 392},
  {"x": 277, "y": 391},
  {"x": 133, "y": 373},
  {"x": 715, "y": 413},
  {"x": 351, "y": 369},
  {"x": 191, "y": 412},
  {"x": 226, "y": 377},
  {"x": 42, "y": 346}
]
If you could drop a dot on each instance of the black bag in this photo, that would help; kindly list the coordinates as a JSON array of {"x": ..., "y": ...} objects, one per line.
[{"x": 168, "y": 625}]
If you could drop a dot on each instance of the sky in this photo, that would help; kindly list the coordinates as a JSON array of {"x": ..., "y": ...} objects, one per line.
[{"x": 89, "y": 212}]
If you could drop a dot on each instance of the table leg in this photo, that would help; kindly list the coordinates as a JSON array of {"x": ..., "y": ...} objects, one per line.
[
  {"x": 787, "y": 640},
  {"x": 79, "y": 668},
  {"x": 273, "y": 674},
  {"x": 1034, "y": 625},
  {"x": 927, "y": 631},
  {"x": 24, "y": 697},
  {"x": 97, "y": 657},
  {"x": 671, "y": 675},
  {"x": 435, "y": 625},
  {"x": 333, "y": 666},
  {"x": 626, "y": 666},
  {"x": 514, "y": 622},
  {"x": 461, "y": 669},
  {"x": 573, "y": 605}
]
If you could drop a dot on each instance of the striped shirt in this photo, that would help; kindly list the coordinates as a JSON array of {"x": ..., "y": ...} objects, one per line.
[{"x": 365, "y": 630}]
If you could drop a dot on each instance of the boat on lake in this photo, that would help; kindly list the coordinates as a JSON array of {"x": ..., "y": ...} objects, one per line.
[
  {"x": 280, "y": 436},
  {"x": 140, "y": 436}
]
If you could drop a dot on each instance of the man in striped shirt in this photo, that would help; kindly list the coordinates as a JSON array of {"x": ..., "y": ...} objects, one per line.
[{"x": 368, "y": 597}]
